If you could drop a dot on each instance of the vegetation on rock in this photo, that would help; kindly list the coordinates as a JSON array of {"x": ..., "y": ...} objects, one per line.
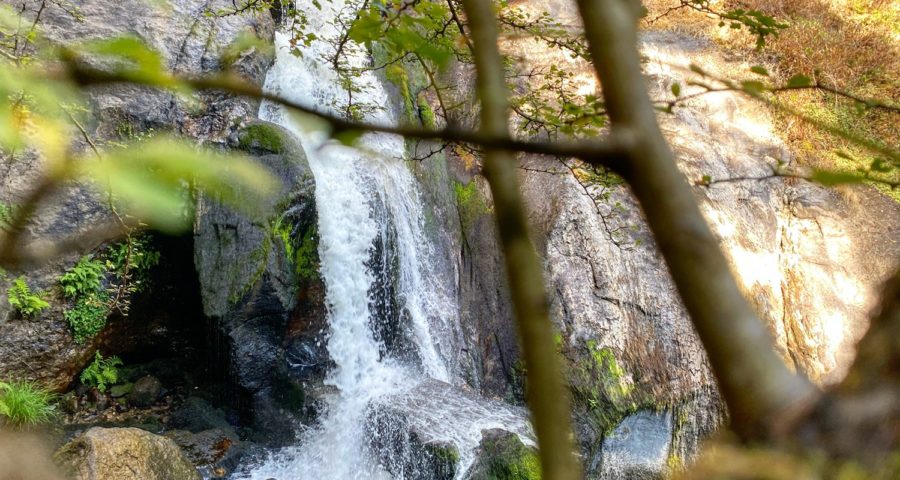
[
  {"x": 25, "y": 404},
  {"x": 102, "y": 372},
  {"x": 25, "y": 301}
]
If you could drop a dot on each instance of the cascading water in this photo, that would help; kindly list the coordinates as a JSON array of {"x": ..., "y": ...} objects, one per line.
[{"x": 367, "y": 197}]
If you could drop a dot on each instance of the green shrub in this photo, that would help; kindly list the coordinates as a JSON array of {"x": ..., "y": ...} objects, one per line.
[
  {"x": 23, "y": 299},
  {"x": 88, "y": 316},
  {"x": 23, "y": 403},
  {"x": 83, "y": 283},
  {"x": 85, "y": 278},
  {"x": 102, "y": 372}
]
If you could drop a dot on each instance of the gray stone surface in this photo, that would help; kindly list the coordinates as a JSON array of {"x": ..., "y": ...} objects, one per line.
[
  {"x": 124, "y": 454},
  {"x": 638, "y": 449},
  {"x": 269, "y": 318},
  {"x": 42, "y": 349}
]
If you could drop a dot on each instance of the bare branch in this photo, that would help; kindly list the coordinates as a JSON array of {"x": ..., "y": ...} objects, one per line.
[
  {"x": 547, "y": 397},
  {"x": 737, "y": 343}
]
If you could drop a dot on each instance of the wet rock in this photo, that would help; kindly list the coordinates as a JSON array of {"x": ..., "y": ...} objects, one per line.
[
  {"x": 410, "y": 434},
  {"x": 260, "y": 285},
  {"x": 196, "y": 414},
  {"x": 206, "y": 448},
  {"x": 124, "y": 454},
  {"x": 502, "y": 456},
  {"x": 118, "y": 391},
  {"x": 145, "y": 392},
  {"x": 42, "y": 349},
  {"x": 639, "y": 448}
]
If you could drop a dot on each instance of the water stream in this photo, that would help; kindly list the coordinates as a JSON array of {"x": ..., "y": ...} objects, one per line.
[{"x": 381, "y": 275}]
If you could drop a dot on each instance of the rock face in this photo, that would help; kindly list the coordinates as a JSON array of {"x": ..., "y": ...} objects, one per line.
[
  {"x": 800, "y": 251},
  {"x": 260, "y": 285},
  {"x": 638, "y": 449},
  {"x": 124, "y": 454},
  {"x": 42, "y": 349}
]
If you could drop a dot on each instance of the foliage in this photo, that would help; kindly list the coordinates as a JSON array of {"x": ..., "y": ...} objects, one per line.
[
  {"x": 102, "y": 372},
  {"x": 87, "y": 317},
  {"x": 25, "y": 404},
  {"x": 130, "y": 262},
  {"x": 84, "y": 278},
  {"x": 6, "y": 215},
  {"x": 97, "y": 286},
  {"x": 24, "y": 300}
]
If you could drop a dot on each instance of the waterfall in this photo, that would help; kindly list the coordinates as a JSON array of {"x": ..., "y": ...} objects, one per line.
[{"x": 372, "y": 245}]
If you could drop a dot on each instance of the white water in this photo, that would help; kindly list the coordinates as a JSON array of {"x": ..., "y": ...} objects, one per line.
[{"x": 362, "y": 195}]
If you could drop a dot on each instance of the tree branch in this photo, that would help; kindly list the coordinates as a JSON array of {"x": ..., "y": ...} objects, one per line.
[
  {"x": 608, "y": 152},
  {"x": 546, "y": 395},
  {"x": 759, "y": 390}
]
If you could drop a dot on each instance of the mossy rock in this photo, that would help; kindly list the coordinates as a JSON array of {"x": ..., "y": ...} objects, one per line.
[
  {"x": 264, "y": 137},
  {"x": 441, "y": 459},
  {"x": 503, "y": 456}
]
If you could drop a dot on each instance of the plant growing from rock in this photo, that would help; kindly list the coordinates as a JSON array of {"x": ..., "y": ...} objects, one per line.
[
  {"x": 102, "y": 372},
  {"x": 24, "y": 300},
  {"x": 83, "y": 284},
  {"x": 24, "y": 404}
]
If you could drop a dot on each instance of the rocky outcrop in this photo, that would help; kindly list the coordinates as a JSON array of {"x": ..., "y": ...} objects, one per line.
[
  {"x": 124, "y": 454},
  {"x": 503, "y": 456},
  {"x": 41, "y": 348},
  {"x": 260, "y": 285}
]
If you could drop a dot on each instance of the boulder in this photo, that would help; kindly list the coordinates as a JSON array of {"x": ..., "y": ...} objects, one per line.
[
  {"x": 502, "y": 456},
  {"x": 145, "y": 392},
  {"x": 206, "y": 448},
  {"x": 124, "y": 454},
  {"x": 26, "y": 457},
  {"x": 260, "y": 286}
]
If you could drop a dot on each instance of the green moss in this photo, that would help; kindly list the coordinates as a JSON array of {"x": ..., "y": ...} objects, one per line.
[
  {"x": 601, "y": 387},
  {"x": 507, "y": 458},
  {"x": 469, "y": 202},
  {"x": 302, "y": 250},
  {"x": 260, "y": 136},
  {"x": 443, "y": 459},
  {"x": 426, "y": 113},
  {"x": 260, "y": 256}
]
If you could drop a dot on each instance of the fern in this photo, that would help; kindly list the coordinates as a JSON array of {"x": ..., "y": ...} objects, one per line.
[
  {"x": 83, "y": 283},
  {"x": 84, "y": 278},
  {"x": 20, "y": 296},
  {"x": 102, "y": 372}
]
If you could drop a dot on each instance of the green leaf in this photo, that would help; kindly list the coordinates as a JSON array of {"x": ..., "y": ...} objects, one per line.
[
  {"x": 799, "y": 80},
  {"x": 830, "y": 178},
  {"x": 150, "y": 180},
  {"x": 759, "y": 70},
  {"x": 676, "y": 89},
  {"x": 753, "y": 87}
]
